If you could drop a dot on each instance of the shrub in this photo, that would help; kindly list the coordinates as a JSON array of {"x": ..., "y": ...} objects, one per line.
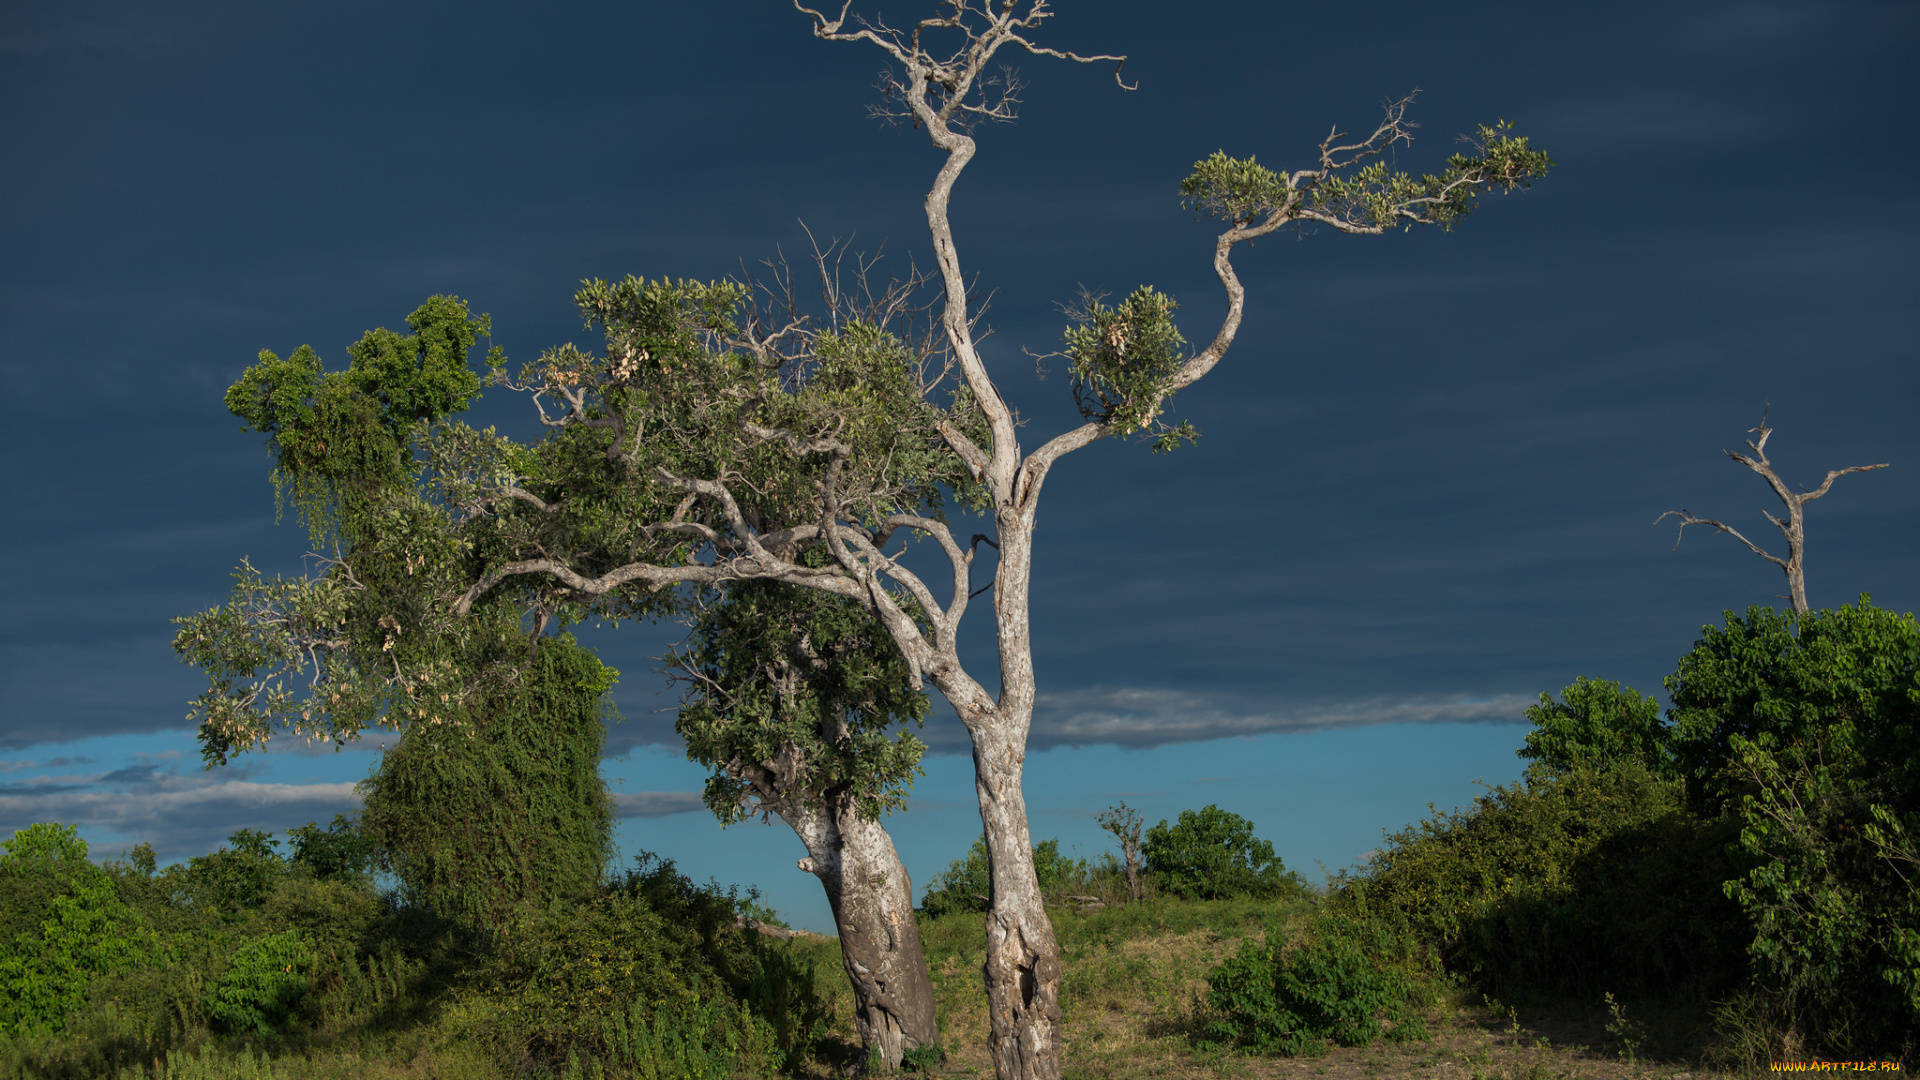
[
  {"x": 80, "y": 928},
  {"x": 267, "y": 981},
  {"x": 1211, "y": 854},
  {"x": 1336, "y": 986},
  {"x": 653, "y": 970},
  {"x": 1599, "y": 723},
  {"x": 1805, "y": 732},
  {"x": 1589, "y": 880},
  {"x": 967, "y": 884}
]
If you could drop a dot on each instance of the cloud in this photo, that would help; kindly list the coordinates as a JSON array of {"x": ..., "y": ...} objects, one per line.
[
  {"x": 656, "y": 803},
  {"x": 178, "y": 816},
  {"x": 1143, "y": 717},
  {"x": 51, "y": 763}
]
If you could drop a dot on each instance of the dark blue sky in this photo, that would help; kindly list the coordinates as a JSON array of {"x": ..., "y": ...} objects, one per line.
[{"x": 1428, "y": 468}]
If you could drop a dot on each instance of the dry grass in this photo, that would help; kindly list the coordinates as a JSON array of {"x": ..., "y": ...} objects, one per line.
[{"x": 1134, "y": 989}]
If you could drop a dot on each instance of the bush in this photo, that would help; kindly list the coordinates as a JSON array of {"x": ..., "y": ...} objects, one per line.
[
  {"x": 1212, "y": 854},
  {"x": 1805, "y": 733},
  {"x": 655, "y": 970},
  {"x": 70, "y": 927},
  {"x": 267, "y": 981},
  {"x": 1599, "y": 723},
  {"x": 967, "y": 884},
  {"x": 1580, "y": 882},
  {"x": 1336, "y": 986}
]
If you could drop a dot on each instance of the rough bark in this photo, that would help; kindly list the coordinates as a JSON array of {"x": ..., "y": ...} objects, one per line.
[{"x": 872, "y": 900}]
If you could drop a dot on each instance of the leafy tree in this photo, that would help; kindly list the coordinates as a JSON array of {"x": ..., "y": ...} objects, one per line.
[
  {"x": 1806, "y": 729},
  {"x": 1212, "y": 854},
  {"x": 794, "y": 697},
  {"x": 505, "y": 804},
  {"x": 716, "y": 438},
  {"x": 493, "y": 794},
  {"x": 339, "y": 852},
  {"x": 68, "y": 927},
  {"x": 1598, "y": 722}
]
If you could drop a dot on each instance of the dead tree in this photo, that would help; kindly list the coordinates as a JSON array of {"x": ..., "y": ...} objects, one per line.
[{"x": 1793, "y": 527}]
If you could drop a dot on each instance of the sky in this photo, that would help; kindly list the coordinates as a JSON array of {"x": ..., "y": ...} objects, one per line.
[{"x": 1429, "y": 468}]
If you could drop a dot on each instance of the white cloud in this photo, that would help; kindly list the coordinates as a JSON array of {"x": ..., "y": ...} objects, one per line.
[
  {"x": 178, "y": 816},
  {"x": 656, "y": 803},
  {"x": 1137, "y": 717}
]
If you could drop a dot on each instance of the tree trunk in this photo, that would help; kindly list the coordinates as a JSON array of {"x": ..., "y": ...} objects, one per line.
[
  {"x": 872, "y": 900},
  {"x": 1023, "y": 958}
]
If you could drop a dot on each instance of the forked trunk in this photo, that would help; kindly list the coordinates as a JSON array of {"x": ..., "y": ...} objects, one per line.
[{"x": 872, "y": 900}]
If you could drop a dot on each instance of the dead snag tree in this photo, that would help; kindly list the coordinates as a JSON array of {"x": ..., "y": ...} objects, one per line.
[
  {"x": 716, "y": 441},
  {"x": 1793, "y": 527}
]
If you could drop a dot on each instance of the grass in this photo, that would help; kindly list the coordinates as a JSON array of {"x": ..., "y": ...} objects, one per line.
[{"x": 1132, "y": 992}]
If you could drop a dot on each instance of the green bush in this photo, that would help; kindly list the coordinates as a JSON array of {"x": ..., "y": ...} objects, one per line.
[
  {"x": 1338, "y": 986},
  {"x": 1578, "y": 882},
  {"x": 1805, "y": 733},
  {"x": 653, "y": 966},
  {"x": 269, "y": 978},
  {"x": 966, "y": 884},
  {"x": 1598, "y": 723},
  {"x": 84, "y": 930},
  {"x": 1211, "y": 854}
]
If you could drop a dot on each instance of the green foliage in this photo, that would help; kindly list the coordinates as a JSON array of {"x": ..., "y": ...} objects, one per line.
[
  {"x": 1122, "y": 357},
  {"x": 266, "y": 982},
  {"x": 652, "y": 972},
  {"x": 339, "y": 438},
  {"x": 1337, "y": 985},
  {"x": 966, "y": 885},
  {"x": 1212, "y": 854},
  {"x": 232, "y": 881},
  {"x": 1597, "y": 722},
  {"x": 507, "y": 805},
  {"x": 340, "y": 852},
  {"x": 69, "y": 928},
  {"x": 1366, "y": 197},
  {"x": 1577, "y": 882},
  {"x": 798, "y": 690},
  {"x": 1804, "y": 731}
]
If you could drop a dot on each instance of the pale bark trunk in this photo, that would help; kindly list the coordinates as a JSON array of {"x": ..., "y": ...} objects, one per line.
[{"x": 872, "y": 900}]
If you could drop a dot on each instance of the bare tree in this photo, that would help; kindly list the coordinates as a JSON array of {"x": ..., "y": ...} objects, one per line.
[
  {"x": 1793, "y": 527},
  {"x": 705, "y": 447}
]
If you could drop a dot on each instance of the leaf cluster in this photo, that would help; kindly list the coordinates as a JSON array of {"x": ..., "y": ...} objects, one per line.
[
  {"x": 1122, "y": 357},
  {"x": 341, "y": 438},
  {"x": 1354, "y": 194},
  {"x": 797, "y": 695},
  {"x": 504, "y": 805}
]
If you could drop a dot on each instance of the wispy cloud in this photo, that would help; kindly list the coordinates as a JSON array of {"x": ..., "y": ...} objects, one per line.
[
  {"x": 180, "y": 819},
  {"x": 50, "y": 763},
  {"x": 1144, "y": 717},
  {"x": 656, "y": 803}
]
